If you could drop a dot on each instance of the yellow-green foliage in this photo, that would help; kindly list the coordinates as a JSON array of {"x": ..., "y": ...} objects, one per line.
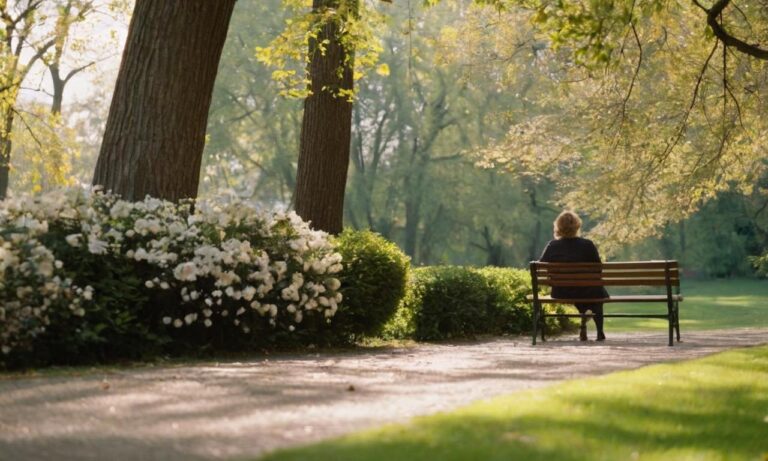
[
  {"x": 628, "y": 151},
  {"x": 357, "y": 22},
  {"x": 43, "y": 152}
]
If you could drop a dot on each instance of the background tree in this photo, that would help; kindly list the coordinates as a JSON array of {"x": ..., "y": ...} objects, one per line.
[
  {"x": 253, "y": 131},
  {"x": 326, "y": 124},
  {"x": 633, "y": 153},
  {"x": 21, "y": 46},
  {"x": 155, "y": 133},
  {"x": 46, "y": 45},
  {"x": 340, "y": 46}
]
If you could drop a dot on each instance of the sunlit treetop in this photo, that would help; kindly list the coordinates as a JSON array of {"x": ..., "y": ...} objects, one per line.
[{"x": 647, "y": 133}]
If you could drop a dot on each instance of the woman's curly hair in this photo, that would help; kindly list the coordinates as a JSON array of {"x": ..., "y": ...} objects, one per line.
[{"x": 567, "y": 225}]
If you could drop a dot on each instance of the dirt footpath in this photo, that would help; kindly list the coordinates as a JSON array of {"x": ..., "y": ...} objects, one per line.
[{"x": 242, "y": 409}]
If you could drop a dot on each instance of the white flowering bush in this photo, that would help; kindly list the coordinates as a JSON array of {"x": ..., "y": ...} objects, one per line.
[
  {"x": 102, "y": 266},
  {"x": 229, "y": 262},
  {"x": 34, "y": 288}
]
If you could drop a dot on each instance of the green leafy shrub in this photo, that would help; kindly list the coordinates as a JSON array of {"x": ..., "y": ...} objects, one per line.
[
  {"x": 511, "y": 311},
  {"x": 450, "y": 301},
  {"x": 760, "y": 263},
  {"x": 508, "y": 307},
  {"x": 373, "y": 283}
]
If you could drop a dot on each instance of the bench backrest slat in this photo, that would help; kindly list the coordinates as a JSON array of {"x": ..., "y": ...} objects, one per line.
[
  {"x": 640, "y": 273},
  {"x": 606, "y": 266},
  {"x": 609, "y": 282},
  {"x": 607, "y": 274}
]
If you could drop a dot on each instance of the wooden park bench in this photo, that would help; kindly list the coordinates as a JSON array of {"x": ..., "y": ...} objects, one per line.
[{"x": 614, "y": 274}]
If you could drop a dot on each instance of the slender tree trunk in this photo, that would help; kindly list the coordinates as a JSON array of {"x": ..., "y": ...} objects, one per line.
[
  {"x": 325, "y": 132},
  {"x": 155, "y": 133},
  {"x": 4, "y": 177},
  {"x": 412, "y": 185},
  {"x": 494, "y": 249},
  {"x": 6, "y": 145},
  {"x": 412, "y": 218},
  {"x": 535, "y": 248},
  {"x": 683, "y": 245},
  {"x": 58, "y": 85}
]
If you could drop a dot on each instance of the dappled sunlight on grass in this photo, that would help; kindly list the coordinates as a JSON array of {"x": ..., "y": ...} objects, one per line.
[
  {"x": 710, "y": 304},
  {"x": 709, "y": 409}
]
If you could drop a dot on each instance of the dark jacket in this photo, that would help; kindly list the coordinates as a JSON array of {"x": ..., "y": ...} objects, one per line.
[{"x": 573, "y": 250}]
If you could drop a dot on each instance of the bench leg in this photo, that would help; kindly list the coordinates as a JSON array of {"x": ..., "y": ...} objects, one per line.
[
  {"x": 543, "y": 327},
  {"x": 671, "y": 320},
  {"x": 535, "y": 321},
  {"x": 677, "y": 321}
]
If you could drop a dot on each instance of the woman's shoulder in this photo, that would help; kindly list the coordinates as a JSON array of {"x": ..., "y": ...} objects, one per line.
[
  {"x": 570, "y": 241},
  {"x": 588, "y": 246}
]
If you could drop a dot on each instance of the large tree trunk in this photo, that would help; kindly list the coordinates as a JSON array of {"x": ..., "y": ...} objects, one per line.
[
  {"x": 325, "y": 132},
  {"x": 155, "y": 133}
]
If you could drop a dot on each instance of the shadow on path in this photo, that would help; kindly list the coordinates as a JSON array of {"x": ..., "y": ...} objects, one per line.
[{"x": 236, "y": 409}]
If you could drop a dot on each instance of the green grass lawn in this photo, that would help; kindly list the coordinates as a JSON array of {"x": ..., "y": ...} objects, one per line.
[
  {"x": 728, "y": 303},
  {"x": 714, "y": 408}
]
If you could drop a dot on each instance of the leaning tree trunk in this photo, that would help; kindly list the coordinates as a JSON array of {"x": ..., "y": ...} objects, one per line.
[
  {"x": 325, "y": 132},
  {"x": 155, "y": 133}
]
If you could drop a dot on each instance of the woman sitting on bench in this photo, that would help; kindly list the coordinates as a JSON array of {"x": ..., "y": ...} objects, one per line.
[{"x": 568, "y": 247}]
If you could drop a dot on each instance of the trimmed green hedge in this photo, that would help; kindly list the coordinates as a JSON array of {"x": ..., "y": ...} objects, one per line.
[
  {"x": 452, "y": 302},
  {"x": 373, "y": 283}
]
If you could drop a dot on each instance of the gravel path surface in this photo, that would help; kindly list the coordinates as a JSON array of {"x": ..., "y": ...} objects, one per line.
[{"x": 241, "y": 409}]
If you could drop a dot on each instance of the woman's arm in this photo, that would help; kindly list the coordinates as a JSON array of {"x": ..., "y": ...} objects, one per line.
[
  {"x": 593, "y": 256},
  {"x": 546, "y": 254}
]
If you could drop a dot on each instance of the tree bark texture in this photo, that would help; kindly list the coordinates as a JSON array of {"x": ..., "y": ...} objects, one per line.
[
  {"x": 325, "y": 133},
  {"x": 155, "y": 133}
]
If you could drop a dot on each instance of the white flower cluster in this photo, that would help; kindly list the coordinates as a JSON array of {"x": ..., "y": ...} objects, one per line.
[
  {"x": 34, "y": 285},
  {"x": 223, "y": 259}
]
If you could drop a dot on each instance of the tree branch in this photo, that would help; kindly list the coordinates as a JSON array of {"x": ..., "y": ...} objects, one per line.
[
  {"x": 684, "y": 123},
  {"x": 77, "y": 70},
  {"x": 723, "y": 35},
  {"x": 29, "y": 128}
]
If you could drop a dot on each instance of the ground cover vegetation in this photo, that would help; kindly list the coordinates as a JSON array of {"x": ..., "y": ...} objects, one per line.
[{"x": 712, "y": 408}]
